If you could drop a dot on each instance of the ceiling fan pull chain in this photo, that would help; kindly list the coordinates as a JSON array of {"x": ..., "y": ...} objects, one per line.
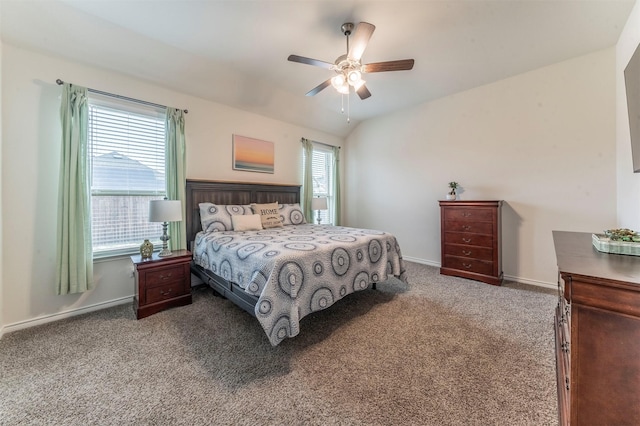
[{"x": 348, "y": 107}]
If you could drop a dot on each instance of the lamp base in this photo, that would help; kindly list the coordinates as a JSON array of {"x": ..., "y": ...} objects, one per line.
[
  {"x": 165, "y": 238},
  {"x": 165, "y": 253},
  {"x": 318, "y": 218}
]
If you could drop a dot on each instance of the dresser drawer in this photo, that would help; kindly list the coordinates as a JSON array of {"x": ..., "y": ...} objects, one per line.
[
  {"x": 468, "y": 265},
  {"x": 472, "y": 252},
  {"x": 163, "y": 276},
  {"x": 156, "y": 294},
  {"x": 469, "y": 214},
  {"x": 466, "y": 238},
  {"x": 474, "y": 227}
]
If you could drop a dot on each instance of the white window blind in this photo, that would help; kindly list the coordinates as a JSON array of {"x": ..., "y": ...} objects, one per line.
[
  {"x": 322, "y": 173},
  {"x": 127, "y": 160}
]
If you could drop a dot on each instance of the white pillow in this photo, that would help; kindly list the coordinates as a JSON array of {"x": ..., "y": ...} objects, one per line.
[{"x": 246, "y": 222}]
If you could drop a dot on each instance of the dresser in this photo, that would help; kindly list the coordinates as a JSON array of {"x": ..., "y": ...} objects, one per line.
[
  {"x": 470, "y": 240},
  {"x": 161, "y": 282},
  {"x": 597, "y": 334}
]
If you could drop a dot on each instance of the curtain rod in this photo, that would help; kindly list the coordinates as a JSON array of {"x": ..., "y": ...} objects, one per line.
[
  {"x": 60, "y": 82},
  {"x": 325, "y": 144}
]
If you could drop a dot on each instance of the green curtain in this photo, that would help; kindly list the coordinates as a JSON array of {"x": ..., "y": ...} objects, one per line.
[
  {"x": 74, "y": 248},
  {"x": 176, "y": 165},
  {"x": 336, "y": 186},
  {"x": 307, "y": 179}
]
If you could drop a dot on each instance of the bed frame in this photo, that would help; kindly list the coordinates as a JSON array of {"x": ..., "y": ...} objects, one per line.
[{"x": 219, "y": 192}]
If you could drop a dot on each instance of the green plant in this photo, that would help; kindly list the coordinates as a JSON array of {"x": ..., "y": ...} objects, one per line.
[{"x": 453, "y": 186}]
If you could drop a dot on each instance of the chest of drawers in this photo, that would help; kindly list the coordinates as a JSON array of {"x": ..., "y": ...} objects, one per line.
[
  {"x": 161, "y": 282},
  {"x": 470, "y": 240},
  {"x": 597, "y": 334}
]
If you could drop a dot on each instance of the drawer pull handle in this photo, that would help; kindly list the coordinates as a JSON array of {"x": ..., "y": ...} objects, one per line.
[
  {"x": 466, "y": 252},
  {"x": 466, "y": 265},
  {"x": 166, "y": 277},
  {"x": 165, "y": 293},
  {"x": 466, "y": 214},
  {"x": 466, "y": 228},
  {"x": 466, "y": 240}
]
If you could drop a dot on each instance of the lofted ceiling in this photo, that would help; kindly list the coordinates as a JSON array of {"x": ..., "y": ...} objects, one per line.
[{"x": 235, "y": 51}]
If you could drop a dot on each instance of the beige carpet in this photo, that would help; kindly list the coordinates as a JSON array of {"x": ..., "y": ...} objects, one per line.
[{"x": 439, "y": 351}]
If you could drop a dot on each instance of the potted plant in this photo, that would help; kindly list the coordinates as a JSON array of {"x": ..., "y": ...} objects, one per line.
[{"x": 452, "y": 193}]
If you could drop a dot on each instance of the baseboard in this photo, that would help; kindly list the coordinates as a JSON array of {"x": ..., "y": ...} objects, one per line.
[
  {"x": 531, "y": 282},
  {"x": 422, "y": 261},
  {"x": 506, "y": 277},
  {"x": 62, "y": 315}
]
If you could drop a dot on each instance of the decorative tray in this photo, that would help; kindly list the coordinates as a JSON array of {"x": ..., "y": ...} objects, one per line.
[{"x": 605, "y": 244}]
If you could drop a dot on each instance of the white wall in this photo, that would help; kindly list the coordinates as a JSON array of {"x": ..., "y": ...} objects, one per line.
[
  {"x": 1, "y": 173},
  {"x": 543, "y": 141},
  {"x": 30, "y": 165},
  {"x": 628, "y": 182}
]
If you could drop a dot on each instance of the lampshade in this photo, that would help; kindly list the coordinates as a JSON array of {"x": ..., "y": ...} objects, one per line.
[
  {"x": 319, "y": 203},
  {"x": 165, "y": 211}
]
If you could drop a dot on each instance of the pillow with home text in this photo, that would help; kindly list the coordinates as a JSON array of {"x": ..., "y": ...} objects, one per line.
[{"x": 269, "y": 214}]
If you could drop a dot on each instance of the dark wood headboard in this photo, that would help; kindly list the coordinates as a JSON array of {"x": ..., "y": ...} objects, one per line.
[{"x": 218, "y": 192}]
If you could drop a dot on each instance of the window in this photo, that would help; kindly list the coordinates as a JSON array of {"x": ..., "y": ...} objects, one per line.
[
  {"x": 127, "y": 163},
  {"x": 322, "y": 174}
]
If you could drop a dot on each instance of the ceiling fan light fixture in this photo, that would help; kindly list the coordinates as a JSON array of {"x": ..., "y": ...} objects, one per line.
[
  {"x": 338, "y": 81},
  {"x": 354, "y": 77},
  {"x": 359, "y": 84},
  {"x": 344, "y": 89}
]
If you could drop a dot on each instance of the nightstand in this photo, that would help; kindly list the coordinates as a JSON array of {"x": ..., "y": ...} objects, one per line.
[{"x": 161, "y": 282}]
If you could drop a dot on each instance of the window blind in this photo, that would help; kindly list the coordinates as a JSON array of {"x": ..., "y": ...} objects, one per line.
[
  {"x": 322, "y": 173},
  {"x": 127, "y": 162}
]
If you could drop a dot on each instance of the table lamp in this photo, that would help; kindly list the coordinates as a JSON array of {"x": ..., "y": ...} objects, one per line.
[
  {"x": 319, "y": 203},
  {"x": 165, "y": 211}
]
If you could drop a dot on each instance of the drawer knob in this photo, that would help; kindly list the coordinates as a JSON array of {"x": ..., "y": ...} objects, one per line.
[
  {"x": 466, "y": 214},
  {"x": 466, "y": 227},
  {"x": 466, "y": 252},
  {"x": 466, "y": 240},
  {"x": 466, "y": 265}
]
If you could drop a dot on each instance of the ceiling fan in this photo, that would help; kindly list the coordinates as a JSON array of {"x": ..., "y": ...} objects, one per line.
[{"x": 348, "y": 67}]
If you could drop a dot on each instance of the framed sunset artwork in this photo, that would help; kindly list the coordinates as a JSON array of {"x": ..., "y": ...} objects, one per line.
[{"x": 252, "y": 155}]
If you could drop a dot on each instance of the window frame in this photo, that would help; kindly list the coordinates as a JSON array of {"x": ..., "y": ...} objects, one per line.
[{"x": 155, "y": 114}]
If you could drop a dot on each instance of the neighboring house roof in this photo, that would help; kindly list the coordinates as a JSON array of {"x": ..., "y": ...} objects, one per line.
[{"x": 114, "y": 172}]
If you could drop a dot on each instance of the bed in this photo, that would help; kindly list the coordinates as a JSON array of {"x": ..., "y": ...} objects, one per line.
[{"x": 281, "y": 274}]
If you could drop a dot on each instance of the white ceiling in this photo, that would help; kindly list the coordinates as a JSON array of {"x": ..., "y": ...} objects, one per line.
[{"x": 235, "y": 51}]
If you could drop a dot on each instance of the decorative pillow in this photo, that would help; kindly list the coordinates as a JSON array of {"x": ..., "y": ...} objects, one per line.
[
  {"x": 269, "y": 214},
  {"x": 246, "y": 222},
  {"x": 217, "y": 217},
  {"x": 291, "y": 214}
]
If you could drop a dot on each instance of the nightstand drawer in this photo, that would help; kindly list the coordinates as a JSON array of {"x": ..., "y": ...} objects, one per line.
[
  {"x": 468, "y": 265},
  {"x": 465, "y": 238},
  {"x": 162, "y": 276},
  {"x": 468, "y": 214},
  {"x": 472, "y": 252},
  {"x": 157, "y": 294}
]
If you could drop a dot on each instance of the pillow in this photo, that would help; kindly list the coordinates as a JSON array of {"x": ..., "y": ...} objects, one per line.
[
  {"x": 217, "y": 217},
  {"x": 246, "y": 222},
  {"x": 291, "y": 214},
  {"x": 269, "y": 214}
]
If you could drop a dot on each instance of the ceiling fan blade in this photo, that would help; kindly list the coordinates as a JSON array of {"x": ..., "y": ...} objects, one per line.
[
  {"x": 401, "y": 65},
  {"x": 319, "y": 88},
  {"x": 309, "y": 61},
  {"x": 363, "y": 92},
  {"x": 359, "y": 40}
]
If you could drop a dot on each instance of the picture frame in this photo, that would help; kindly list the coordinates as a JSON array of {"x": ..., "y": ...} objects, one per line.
[{"x": 253, "y": 155}]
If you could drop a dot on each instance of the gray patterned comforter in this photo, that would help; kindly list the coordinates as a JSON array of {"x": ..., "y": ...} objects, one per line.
[{"x": 299, "y": 269}]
